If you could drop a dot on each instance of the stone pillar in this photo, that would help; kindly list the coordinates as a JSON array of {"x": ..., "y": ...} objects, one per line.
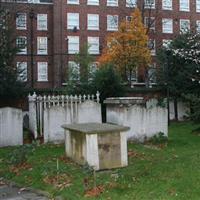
[{"x": 32, "y": 114}]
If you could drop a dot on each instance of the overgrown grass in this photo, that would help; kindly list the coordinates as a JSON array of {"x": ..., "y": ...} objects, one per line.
[{"x": 158, "y": 174}]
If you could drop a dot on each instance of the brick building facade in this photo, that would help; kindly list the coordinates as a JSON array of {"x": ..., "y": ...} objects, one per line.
[{"x": 54, "y": 30}]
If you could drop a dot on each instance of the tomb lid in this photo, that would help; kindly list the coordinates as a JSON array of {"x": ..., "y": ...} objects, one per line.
[
  {"x": 124, "y": 100},
  {"x": 92, "y": 128}
]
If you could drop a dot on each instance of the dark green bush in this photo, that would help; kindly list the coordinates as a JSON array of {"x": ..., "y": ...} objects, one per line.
[
  {"x": 21, "y": 153},
  {"x": 159, "y": 138}
]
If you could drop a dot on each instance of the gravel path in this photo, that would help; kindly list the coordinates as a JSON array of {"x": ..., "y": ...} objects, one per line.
[{"x": 10, "y": 192}]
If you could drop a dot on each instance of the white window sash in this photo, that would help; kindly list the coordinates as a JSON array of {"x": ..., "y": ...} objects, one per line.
[
  {"x": 42, "y": 22},
  {"x": 22, "y": 71},
  {"x": 167, "y": 26},
  {"x": 93, "y": 2},
  {"x": 184, "y": 5},
  {"x": 167, "y": 4},
  {"x": 42, "y": 71},
  {"x": 150, "y": 4},
  {"x": 131, "y": 3},
  {"x": 93, "y": 43},
  {"x": 112, "y": 3},
  {"x": 73, "y": 2},
  {"x": 73, "y": 44},
  {"x": 22, "y": 40},
  {"x": 112, "y": 22},
  {"x": 42, "y": 45},
  {"x": 197, "y": 5},
  {"x": 72, "y": 20},
  {"x": 93, "y": 22},
  {"x": 21, "y": 21}
]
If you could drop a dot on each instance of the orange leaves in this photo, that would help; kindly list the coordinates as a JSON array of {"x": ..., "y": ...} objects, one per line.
[{"x": 127, "y": 48}]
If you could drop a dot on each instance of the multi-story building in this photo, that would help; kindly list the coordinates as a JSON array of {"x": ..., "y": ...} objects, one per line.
[{"x": 50, "y": 32}]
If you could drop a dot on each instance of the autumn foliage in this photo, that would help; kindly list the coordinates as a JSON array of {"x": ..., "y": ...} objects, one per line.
[{"x": 127, "y": 48}]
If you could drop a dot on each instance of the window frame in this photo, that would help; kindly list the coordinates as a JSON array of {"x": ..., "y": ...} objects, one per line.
[
  {"x": 180, "y": 23},
  {"x": 91, "y": 40},
  {"x": 163, "y": 23},
  {"x": 93, "y": 3},
  {"x": 39, "y": 26},
  {"x": 89, "y": 27},
  {"x": 22, "y": 51},
  {"x": 18, "y": 27},
  {"x": 71, "y": 51},
  {"x": 73, "y": 2},
  {"x": 149, "y": 6},
  {"x": 71, "y": 26},
  {"x": 112, "y": 28},
  {"x": 185, "y": 9},
  {"x": 39, "y": 79},
  {"x": 112, "y": 3},
  {"x": 129, "y": 4},
  {"x": 40, "y": 49},
  {"x": 22, "y": 71},
  {"x": 167, "y": 7}
]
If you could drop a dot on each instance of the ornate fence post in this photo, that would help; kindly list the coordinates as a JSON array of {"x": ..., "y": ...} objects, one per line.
[{"x": 32, "y": 114}]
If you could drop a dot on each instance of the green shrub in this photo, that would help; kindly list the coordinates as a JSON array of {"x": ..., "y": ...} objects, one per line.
[
  {"x": 108, "y": 82},
  {"x": 21, "y": 153},
  {"x": 159, "y": 138}
]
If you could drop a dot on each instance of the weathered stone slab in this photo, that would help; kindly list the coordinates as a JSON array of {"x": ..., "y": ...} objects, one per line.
[{"x": 11, "y": 127}]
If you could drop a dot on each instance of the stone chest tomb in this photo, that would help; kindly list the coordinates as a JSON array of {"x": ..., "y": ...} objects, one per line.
[{"x": 102, "y": 146}]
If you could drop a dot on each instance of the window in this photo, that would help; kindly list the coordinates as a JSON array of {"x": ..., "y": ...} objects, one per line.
[
  {"x": 167, "y": 4},
  {"x": 93, "y": 2},
  {"x": 73, "y": 44},
  {"x": 93, "y": 67},
  {"x": 22, "y": 71},
  {"x": 112, "y": 22},
  {"x": 21, "y": 43},
  {"x": 42, "y": 71},
  {"x": 149, "y": 4},
  {"x": 166, "y": 43},
  {"x": 131, "y": 3},
  {"x": 73, "y": 1},
  {"x": 167, "y": 25},
  {"x": 198, "y": 5},
  {"x": 184, "y": 25},
  {"x": 21, "y": 21},
  {"x": 198, "y": 26},
  {"x": 42, "y": 45},
  {"x": 72, "y": 20},
  {"x": 152, "y": 46},
  {"x": 93, "y": 43},
  {"x": 112, "y": 2},
  {"x": 150, "y": 23},
  {"x": 42, "y": 22},
  {"x": 73, "y": 71},
  {"x": 129, "y": 19},
  {"x": 184, "y": 5},
  {"x": 93, "y": 22},
  {"x": 152, "y": 73},
  {"x": 132, "y": 75}
]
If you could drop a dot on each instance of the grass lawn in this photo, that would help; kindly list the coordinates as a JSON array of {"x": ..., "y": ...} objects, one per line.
[{"x": 169, "y": 173}]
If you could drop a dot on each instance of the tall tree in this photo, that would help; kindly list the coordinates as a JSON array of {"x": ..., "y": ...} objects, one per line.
[
  {"x": 180, "y": 69},
  {"x": 127, "y": 48},
  {"x": 81, "y": 72},
  {"x": 9, "y": 84}
]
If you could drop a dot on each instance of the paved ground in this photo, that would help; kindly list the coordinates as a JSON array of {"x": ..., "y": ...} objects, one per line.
[{"x": 9, "y": 192}]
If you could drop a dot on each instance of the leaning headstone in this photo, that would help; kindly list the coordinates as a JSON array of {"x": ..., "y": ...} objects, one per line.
[{"x": 11, "y": 131}]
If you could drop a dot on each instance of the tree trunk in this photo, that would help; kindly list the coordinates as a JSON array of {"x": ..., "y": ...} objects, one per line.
[{"x": 175, "y": 109}]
